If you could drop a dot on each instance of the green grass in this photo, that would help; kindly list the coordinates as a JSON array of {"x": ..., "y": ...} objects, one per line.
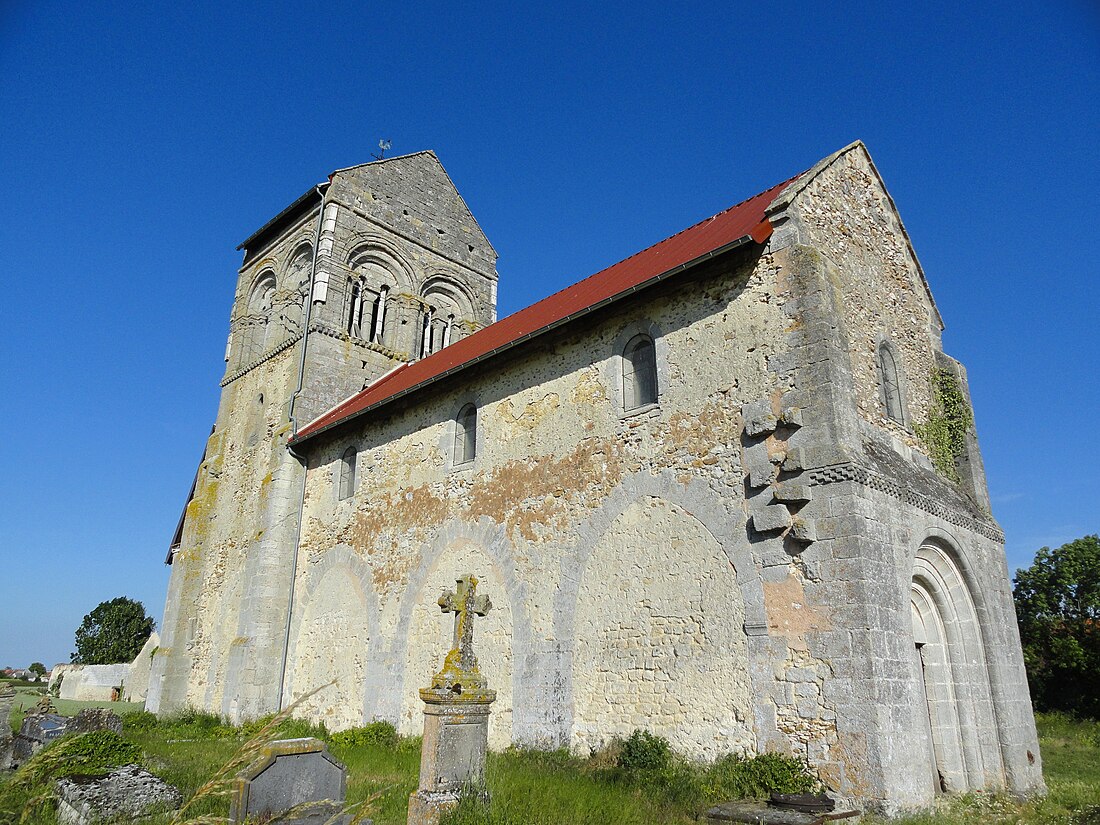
[{"x": 544, "y": 788}]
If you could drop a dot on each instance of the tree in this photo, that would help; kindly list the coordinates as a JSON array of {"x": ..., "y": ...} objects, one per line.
[
  {"x": 38, "y": 669},
  {"x": 114, "y": 632},
  {"x": 1058, "y": 608}
]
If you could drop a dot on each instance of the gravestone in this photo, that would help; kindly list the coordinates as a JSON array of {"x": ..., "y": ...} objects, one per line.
[
  {"x": 290, "y": 774},
  {"x": 91, "y": 719},
  {"x": 36, "y": 731},
  {"x": 124, "y": 794},
  {"x": 760, "y": 813},
  {"x": 456, "y": 716}
]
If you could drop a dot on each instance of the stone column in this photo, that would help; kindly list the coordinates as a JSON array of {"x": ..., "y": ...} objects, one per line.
[{"x": 456, "y": 716}]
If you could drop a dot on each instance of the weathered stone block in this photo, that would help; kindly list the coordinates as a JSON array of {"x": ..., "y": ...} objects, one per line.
[
  {"x": 771, "y": 517},
  {"x": 794, "y": 460},
  {"x": 792, "y": 491},
  {"x": 759, "y": 467},
  {"x": 125, "y": 794},
  {"x": 791, "y": 417},
  {"x": 759, "y": 418},
  {"x": 803, "y": 530}
]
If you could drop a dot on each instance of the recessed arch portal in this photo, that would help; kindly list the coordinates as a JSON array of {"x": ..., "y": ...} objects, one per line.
[
  {"x": 955, "y": 711},
  {"x": 332, "y": 641}
]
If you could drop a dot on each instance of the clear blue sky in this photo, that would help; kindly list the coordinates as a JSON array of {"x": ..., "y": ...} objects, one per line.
[{"x": 140, "y": 143}]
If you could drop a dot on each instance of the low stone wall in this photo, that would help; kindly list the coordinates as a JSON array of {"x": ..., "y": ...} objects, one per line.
[
  {"x": 127, "y": 681},
  {"x": 95, "y": 683}
]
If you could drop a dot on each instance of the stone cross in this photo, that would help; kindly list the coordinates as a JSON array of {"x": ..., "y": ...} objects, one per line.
[
  {"x": 465, "y": 604},
  {"x": 460, "y": 667},
  {"x": 456, "y": 716}
]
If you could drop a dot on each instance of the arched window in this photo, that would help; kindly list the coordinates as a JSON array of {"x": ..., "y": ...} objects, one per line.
[
  {"x": 639, "y": 373},
  {"x": 466, "y": 434},
  {"x": 443, "y": 306},
  {"x": 891, "y": 384},
  {"x": 347, "y": 473},
  {"x": 255, "y": 323}
]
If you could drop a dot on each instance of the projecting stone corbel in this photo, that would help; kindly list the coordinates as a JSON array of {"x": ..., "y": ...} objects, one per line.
[
  {"x": 792, "y": 492},
  {"x": 770, "y": 518},
  {"x": 759, "y": 418},
  {"x": 803, "y": 530}
]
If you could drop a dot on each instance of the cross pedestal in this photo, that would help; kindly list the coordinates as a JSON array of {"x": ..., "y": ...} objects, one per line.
[{"x": 456, "y": 716}]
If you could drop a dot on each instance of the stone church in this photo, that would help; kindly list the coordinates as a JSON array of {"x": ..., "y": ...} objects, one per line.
[{"x": 705, "y": 489}]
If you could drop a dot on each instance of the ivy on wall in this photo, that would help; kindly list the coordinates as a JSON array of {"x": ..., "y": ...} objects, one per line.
[{"x": 949, "y": 421}]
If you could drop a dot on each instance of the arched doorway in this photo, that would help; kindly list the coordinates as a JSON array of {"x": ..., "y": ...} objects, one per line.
[{"x": 954, "y": 715}]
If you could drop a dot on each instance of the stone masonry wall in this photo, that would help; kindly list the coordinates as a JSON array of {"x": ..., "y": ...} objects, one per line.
[
  {"x": 551, "y": 515},
  {"x": 849, "y": 219}
]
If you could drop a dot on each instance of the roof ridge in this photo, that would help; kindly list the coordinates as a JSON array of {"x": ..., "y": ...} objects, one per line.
[
  {"x": 742, "y": 222},
  {"x": 385, "y": 160}
]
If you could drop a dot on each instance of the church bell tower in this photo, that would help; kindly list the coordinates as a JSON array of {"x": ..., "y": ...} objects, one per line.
[{"x": 380, "y": 265}]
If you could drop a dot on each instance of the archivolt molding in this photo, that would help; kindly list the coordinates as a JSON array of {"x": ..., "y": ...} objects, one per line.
[
  {"x": 339, "y": 557},
  {"x": 945, "y": 592},
  {"x": 850, "y": 471},
  {"x": 447, "y": 282},
  {"x": 371, "y": 248}
]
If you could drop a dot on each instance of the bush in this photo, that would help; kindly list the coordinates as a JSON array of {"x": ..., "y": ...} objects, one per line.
[
  {"x": 734, "y": 777},
  {"x": 141, "y": 720},
  {"x": 645, "y": 751},
  {"x": 379, "y": 732}
]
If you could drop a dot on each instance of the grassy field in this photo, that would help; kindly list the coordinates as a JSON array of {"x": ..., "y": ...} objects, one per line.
[{"x": 539, "y": 788}]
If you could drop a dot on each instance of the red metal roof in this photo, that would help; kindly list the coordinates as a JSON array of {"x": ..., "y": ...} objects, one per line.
[{"x": 738, "y": 224}]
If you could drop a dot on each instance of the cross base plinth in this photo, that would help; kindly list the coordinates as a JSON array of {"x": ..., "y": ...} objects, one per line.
[{"x": 452, "y": 757}]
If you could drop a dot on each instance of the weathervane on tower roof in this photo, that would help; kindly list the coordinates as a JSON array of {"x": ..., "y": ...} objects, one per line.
[{"x": 384, "y": 145}]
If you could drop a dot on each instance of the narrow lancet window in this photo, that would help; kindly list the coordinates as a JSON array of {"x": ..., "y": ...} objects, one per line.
[
  {"x": 378, "y": 317},
  {"x": 466, "y": 434},
  {"x": 347, "y": 473},
  {"x": 891, "y": 384},
  {"x": 639, "y": 373}
]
